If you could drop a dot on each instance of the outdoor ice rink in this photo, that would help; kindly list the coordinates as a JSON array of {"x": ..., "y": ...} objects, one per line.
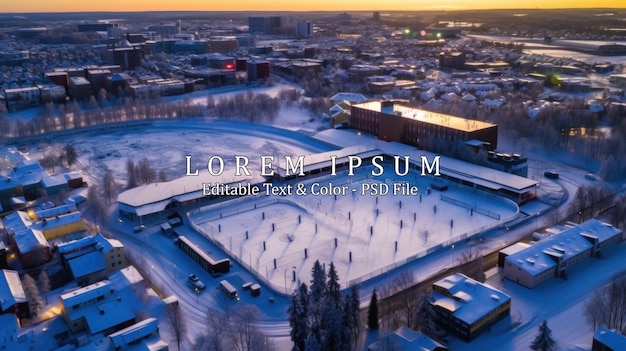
[{"x": 279, "y": 237}]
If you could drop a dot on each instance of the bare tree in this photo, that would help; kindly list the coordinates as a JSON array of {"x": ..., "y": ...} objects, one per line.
[
  {"x": 131, "y": 174},
  {"x": 471, "y": 264},
  {"x": 177, "y": 321},
  {"x": 147, "y": 175},
  {"x": 32, "y": 294},
  {"x": 402, "y": 284},
  {"x": 215, "y": 338},
  {"x": 96, "y": 202},
  {"x": 44, "y": 284},
  {"x": 70, "y": 155},
  {"x": 109, "y": 186},
  {"x": 244, "y": 334},
  {"x": 607, "y": 306}
]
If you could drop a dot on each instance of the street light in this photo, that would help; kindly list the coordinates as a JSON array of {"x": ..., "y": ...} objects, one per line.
[{"x": 452, "y": 255}]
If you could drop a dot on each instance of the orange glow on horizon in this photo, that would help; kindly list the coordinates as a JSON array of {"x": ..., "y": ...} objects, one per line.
[{"x": 290, "y": 5}]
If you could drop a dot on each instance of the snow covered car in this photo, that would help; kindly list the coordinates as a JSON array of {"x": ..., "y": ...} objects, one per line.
[{"x": 196, "y": 283}]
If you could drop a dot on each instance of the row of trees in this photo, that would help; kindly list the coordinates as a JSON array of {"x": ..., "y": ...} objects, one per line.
[
  {"x": 320, "y": 318},
  {"x": 142, "y": 173},
  {"x": 246, "y": 106},
  {"x": 234, "y": 330},
  {"x": 607, "y": 305},
  {"x": 591, "y": 201},
  {"x": 569, "y": 126}
]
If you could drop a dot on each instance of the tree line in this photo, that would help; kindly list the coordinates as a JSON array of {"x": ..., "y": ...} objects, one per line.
[{"x": 320, "y": 318}]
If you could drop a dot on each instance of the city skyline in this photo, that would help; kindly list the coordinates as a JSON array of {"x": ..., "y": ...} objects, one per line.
[{"x": 284, "y": 5}]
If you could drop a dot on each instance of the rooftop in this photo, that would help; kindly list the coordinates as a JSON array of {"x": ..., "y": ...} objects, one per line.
[
  {"x": 440, "y": 119},
  {"x": 156, "y": 196},
  {"x": 568, "y": 243},
  {"x": 480, "y": 175},
  {"x": 11, "y": 290},
  {"x": 87, "y": 293},
  {"x": 467, "y": 299},
  {"x": 610, "y": 338}
]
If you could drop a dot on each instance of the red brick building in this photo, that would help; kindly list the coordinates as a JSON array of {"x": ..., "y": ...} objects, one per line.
[{"x": 397, "y": 121}]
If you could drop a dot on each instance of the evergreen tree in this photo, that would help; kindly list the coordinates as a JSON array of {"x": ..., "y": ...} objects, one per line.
[
  {"x": 333, "y": 330},
  {"x": 334, "y": 289},
  {"x": 318, "y": 283},
  {"x": 312, "y": 343},
  {"x": 298, "y": 319},
  {"x": 426, "y": 315},
  {"x": 351, "y": 321},
  {"x": 372, "y": 312},
  {"x": 543, "y": 341},
  {"x": 316, "y": 296}
]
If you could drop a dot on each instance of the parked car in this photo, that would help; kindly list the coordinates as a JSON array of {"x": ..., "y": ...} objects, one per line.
[
  {"x": 139, "y": 228},
  {"x": 590, "y": 176},
  {"x": 196, "y": 283},
  {"x": 551, "y": 174}
]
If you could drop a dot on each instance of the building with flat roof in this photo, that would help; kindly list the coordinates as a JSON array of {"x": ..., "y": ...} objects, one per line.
[
  {"x": 466, "y": 307},
  {"x": 452, "y": 171},
  {"x": 398, "y": 121},
  {"x": 406, "y": 339},
  {"x": 553, "y": 256},
  {"x": 143, "y": 335},
  {"x": 166, "y": 197},
  {"x": 22, "y": 98},
  {"x": 608, "y": 340},
  {"x": 96, "y": 308},
  {"x": 92, "y": 255}
]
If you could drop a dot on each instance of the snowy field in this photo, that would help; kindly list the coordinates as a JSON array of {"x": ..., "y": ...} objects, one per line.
[{"x": 279, "y": 237}]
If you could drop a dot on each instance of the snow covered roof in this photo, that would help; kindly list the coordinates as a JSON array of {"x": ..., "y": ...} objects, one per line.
[
  {"x": 472, "y": 173},
  {"x": 407, "y": 339},
  {"x": 53, "y": 181},
  {"x": 84, "y": 294},
  {"x": 467, "y": 299},
  {"x": 58, "y": 221},
  {"x": 610, "y": 338},
  {"x": 18, "y": 225},
  {"x": 55, "y": 211},
  {"x": 125, "y": 277},
  {"x": 29, "y": 172},
  {"x": 515, "y": 248},
  {"x": 134, "y": 333},
  {"x": 155, "y": 197},
  {"x": 440, "y": 119},
  {"x": 87, "y": 264},
  {"x": 351, "y": 97},
  {"x": 321, "y": 160},
  {"x": 11, "y": 290},
  {"x": 104, "y": 315},
  {"x": 75, "y": 245},
  {"x": 566, "y": 244}
]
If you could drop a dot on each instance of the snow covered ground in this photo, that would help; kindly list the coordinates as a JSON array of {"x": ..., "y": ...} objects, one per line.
[
  {"x": 363, "y": 235},
  {"x": 166, "y": 143},
  {"x": 560, "y": 302}
]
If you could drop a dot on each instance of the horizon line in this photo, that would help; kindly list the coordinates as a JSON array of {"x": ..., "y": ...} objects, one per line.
[{"x": 430, "y": 9}]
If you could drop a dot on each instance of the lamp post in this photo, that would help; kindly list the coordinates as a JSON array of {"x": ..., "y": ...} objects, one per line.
[{"x": 452, "y": 255}]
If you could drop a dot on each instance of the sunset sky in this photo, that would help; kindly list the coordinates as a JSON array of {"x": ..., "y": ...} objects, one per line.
[{"x": 291, "y": 5}]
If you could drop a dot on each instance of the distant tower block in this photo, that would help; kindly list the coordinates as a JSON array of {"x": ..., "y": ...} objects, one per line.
[{"x": 376, "y": 16}]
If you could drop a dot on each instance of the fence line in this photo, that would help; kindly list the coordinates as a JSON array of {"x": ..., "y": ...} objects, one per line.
[{"x": 295, "y": 259}]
